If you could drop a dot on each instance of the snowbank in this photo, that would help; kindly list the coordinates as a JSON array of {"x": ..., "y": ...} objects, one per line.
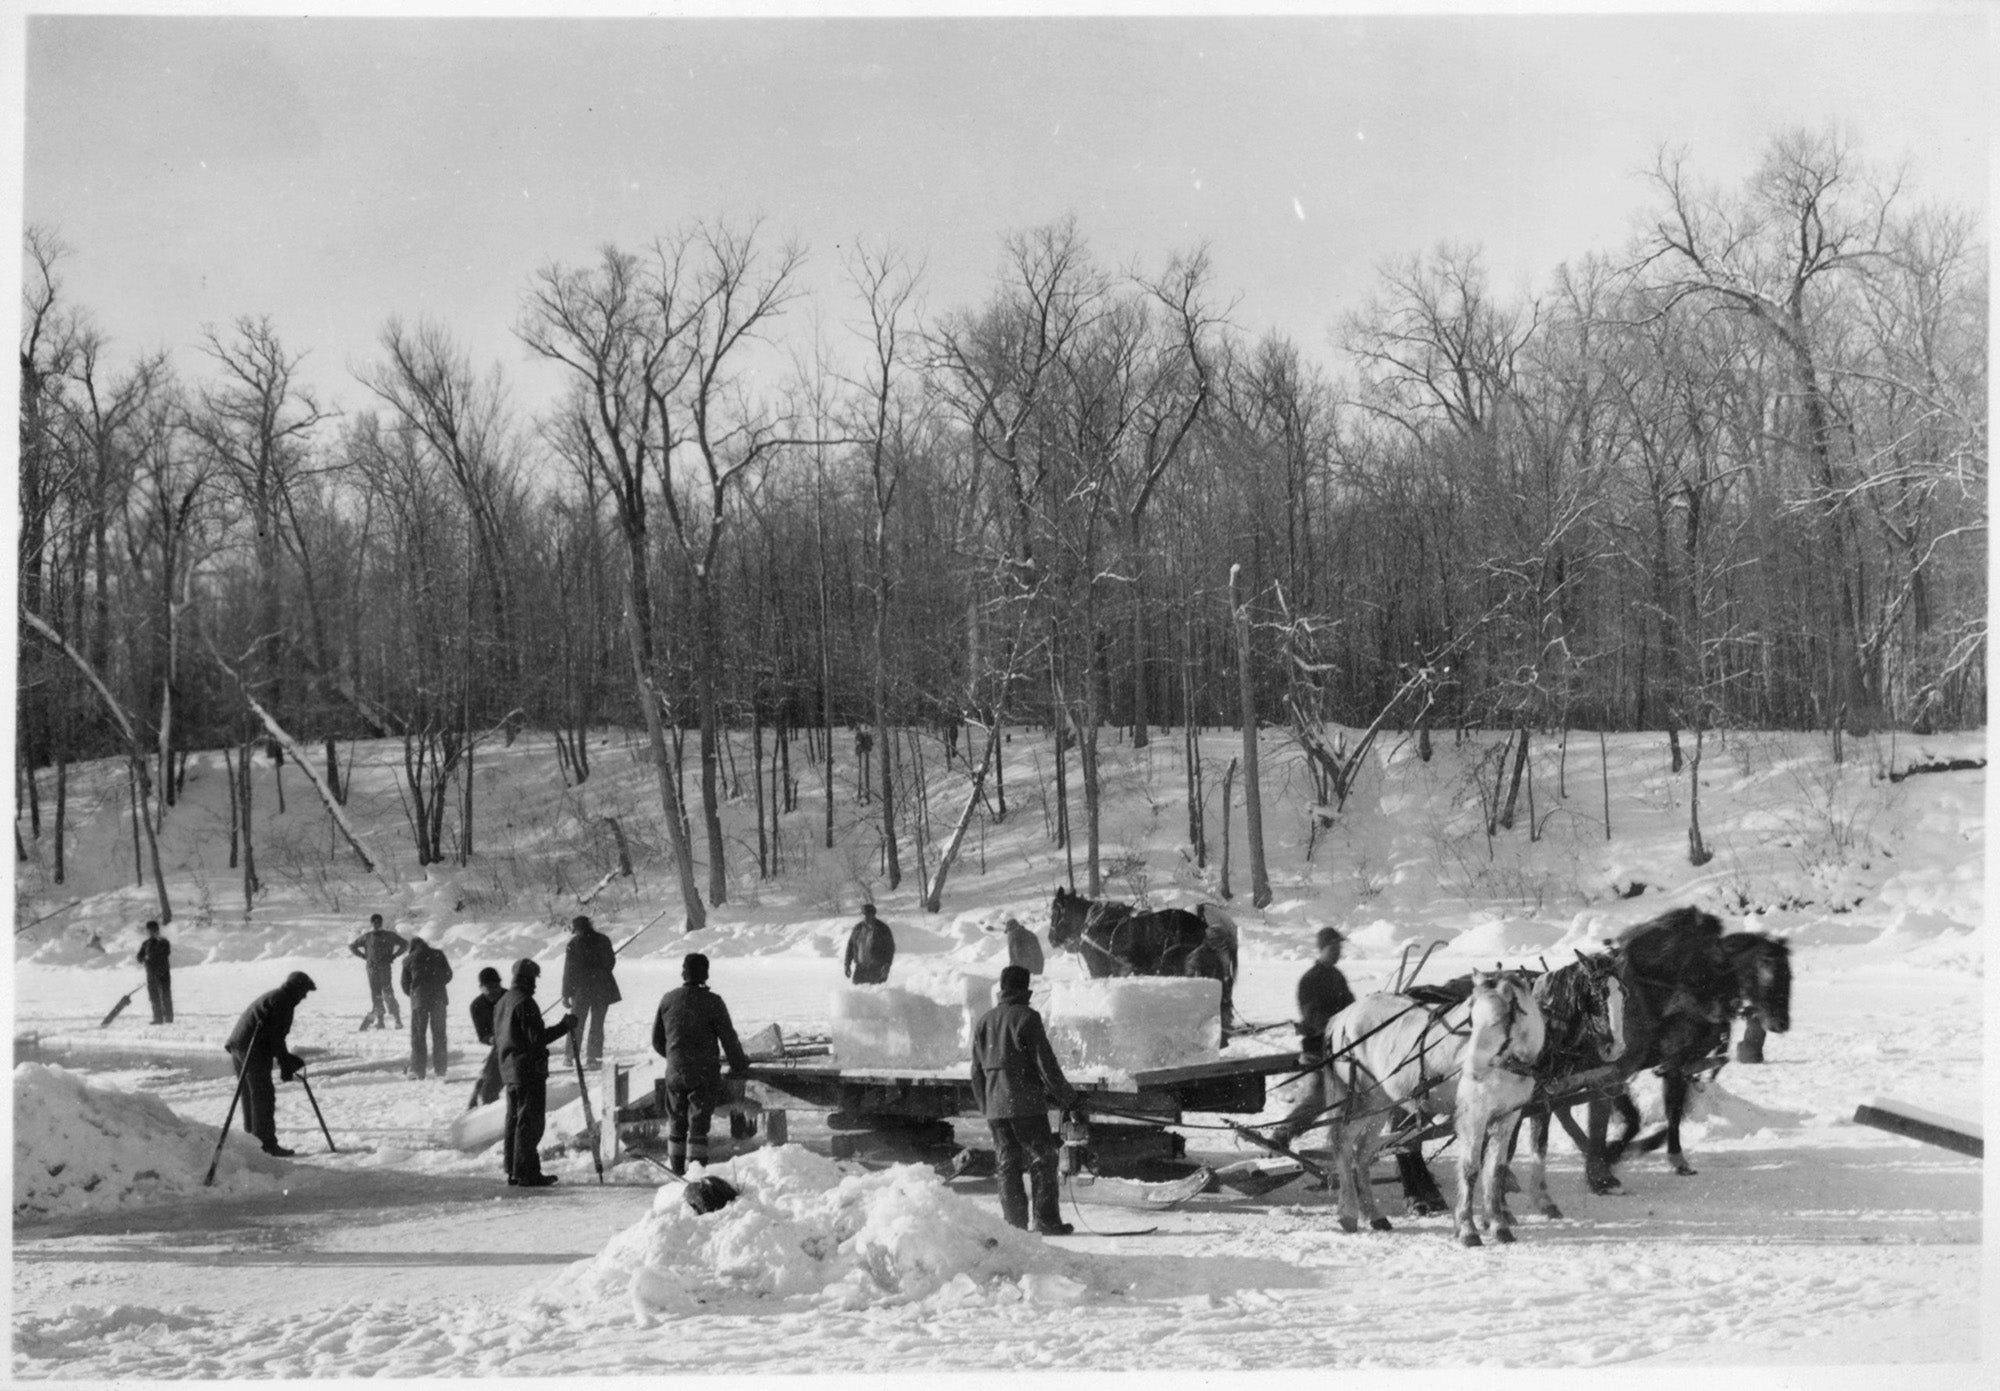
[
  {"x": 803, "y": 1230},
  {"x": 81, "y": 1147}
]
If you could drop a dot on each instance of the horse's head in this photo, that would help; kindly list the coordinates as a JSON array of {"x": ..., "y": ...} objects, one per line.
[
  {"x": 1066, "y": 915},
  {"x": 1605, "y": 1014},
  {"x": 1508, "y": 1029},
  {"x": 1763, "y": 968}
]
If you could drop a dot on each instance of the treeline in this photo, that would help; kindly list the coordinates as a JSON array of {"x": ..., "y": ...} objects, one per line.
[{"x": 1733, "y": 473}]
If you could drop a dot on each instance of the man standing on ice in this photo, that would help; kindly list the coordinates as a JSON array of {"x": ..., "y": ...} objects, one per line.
[
  {"x": 871, "y": 949},
  {"x": 522, "y": 1041},
  {"x": 378, "y": 949},
  {"x": 255, "y": 1044},
  {"x": 692, "y": 1031},
  {"x": 153, "y": 955},
  {"x": 425, "y": 975},
  {"x": 487, "y": 1088},
  {"x": 1016, "y": 1081},
  {"x": 589, "y": 986}
]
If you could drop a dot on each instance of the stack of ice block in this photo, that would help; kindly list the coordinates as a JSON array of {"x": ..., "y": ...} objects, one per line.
[
  {"x": 1132, "y": 1023},
  {"x": 888, "y": 1026}
]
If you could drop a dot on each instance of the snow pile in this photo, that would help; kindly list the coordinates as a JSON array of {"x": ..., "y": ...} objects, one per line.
[
  {"x": 1131, "y": 1023},
  {"x": 80, "y": 1147},
  {"x": 803, "y": 1230},
  {"x": 888, "y": 1026}
]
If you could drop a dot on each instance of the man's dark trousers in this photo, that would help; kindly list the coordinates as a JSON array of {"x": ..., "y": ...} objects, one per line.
[
  {"x": 160, "y": 994},
  {"x": 260, "y": 1097},
  {"x": 527, "y": 1115},
  {"x": 1026, "y": 1142}
]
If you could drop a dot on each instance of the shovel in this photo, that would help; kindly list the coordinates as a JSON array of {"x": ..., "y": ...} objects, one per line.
[{"x": 119, "y": 1008}]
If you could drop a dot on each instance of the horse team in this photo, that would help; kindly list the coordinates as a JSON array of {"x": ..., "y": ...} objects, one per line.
[{"x": 1492, "y": 1049}]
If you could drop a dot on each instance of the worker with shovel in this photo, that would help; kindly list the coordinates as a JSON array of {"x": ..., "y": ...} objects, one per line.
[
  {"x": 255, "y": 1045},
  {"x": 153, "y": 955},
  {"x": 693, "y": 1032}
]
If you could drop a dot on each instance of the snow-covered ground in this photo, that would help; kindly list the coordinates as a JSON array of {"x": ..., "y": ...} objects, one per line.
[{"x": 1804, "y": 1240}]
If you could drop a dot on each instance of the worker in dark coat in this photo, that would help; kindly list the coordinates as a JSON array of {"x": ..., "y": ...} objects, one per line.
[
  {"x": 871, "y": 949},
  {"x": 1024, "y": 949},
  {"x": 693, "y": 1033},
  {"x": 1016, "y": 1081},
  {"x": 378, "y": 949},
  {"x": 487, "y": 1088},
  {"x": 522, "y": 1041},
  {"x": 255, "y": 1045},
  {"x": 426, "y": 972},
  {"x": 589, "y": 986},
  {"x": 1323, "y": 993},
  {"x": 154, "y": 954}
]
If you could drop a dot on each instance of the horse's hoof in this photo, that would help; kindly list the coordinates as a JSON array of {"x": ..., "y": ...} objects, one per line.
[
  {"x": 1684, "y": 1169},
  {"x": 1606, "y": 1186},
  {"x": 1470, "y": 1239},
  {"x": 1504, "y": 1235},
  {"x": 1380, "y": 1224},
  {"x": 1420, "y": 1207},
  {"x": 1552, "y": 1212},
  {"x": 1348, "y": 1224}
]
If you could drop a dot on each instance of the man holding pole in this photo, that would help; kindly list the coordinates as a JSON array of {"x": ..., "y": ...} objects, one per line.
[
  {"x": 589, "y": 986},
  {"x": 522, "y": 1041},
  {"x": 255, "y": 1045}
]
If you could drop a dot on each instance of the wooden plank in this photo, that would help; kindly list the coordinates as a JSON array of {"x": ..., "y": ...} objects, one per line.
[
  {"x": 1901, "y": 1118},
  {"x": 1250, "y": 1065}
]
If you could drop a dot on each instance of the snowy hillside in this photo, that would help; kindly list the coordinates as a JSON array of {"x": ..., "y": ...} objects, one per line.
[{"x": 1803, "y": 1238}]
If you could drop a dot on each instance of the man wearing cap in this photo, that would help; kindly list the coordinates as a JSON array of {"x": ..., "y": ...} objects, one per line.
[
  {"x": 426, "y": 972},
  {"x": 255, "y": 1045},
  {"x": 871, "y": 949},
  {"x": 1016, "y": 1081},
  {"x": 487, "y": 1088},
  {"x": 692, "y": 1031},
  {"x": 1023, "y": 949},
  {"x": 1323, "y": 993},
  {"x": 378, "y": 949},
  {"x": 522, "y": 1040},
  {"x": 155, "y": 954},
  {"x": 589, "y": 986}
]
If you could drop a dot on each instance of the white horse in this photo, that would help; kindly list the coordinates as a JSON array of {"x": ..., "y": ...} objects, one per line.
[{"x": 1473, "y": 1060}]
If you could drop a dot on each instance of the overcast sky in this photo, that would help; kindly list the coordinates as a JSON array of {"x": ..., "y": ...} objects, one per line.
[{"x": 331, "y": 171}]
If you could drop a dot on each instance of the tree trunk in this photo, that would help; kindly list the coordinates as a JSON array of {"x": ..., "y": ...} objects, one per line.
[
  {"x": 243, "y": 806},
  {"x": 1228, "y": 795},
  {"x": 1514, "y": 786},
  {"x": 934, "y": 887},
  {"x": 757, "y": 780},
  {"x": 1253, "y": 810},
  {"x": 62, "y": 807},
  {"x": 663, "y": 764}
]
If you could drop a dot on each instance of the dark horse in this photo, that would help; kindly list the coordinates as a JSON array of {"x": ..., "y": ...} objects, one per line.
[
  {"x": 1684, "y": 980},
  {"x": 1116, "y": 939}
]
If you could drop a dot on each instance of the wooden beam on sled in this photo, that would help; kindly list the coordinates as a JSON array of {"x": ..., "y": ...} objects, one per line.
[{"x": 1914, "y": 1123}]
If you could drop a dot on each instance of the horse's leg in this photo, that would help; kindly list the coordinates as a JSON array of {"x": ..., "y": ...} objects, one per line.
[
  {"x": 1596, "y": 1161},
  {"x": 1674, "y": 1092},
  {"x": 1493, "y": 1214},
  {"x": 1342, "y": 1139},
  {"x": 1628, "y": 1117},
  {"x": 1472, "y": 1146},
  {"x": 1535, "y": 1192},
  {"x": 1420, "y": 1190},
  {"x": 1359, "y": 1179}
]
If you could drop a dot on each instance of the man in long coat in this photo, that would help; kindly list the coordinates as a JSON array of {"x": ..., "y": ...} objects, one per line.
[
  {"x": 378, "y": 949},
  {"x": 426, "y": 972},
  {"x": 589, "y": 986},
  {"x": 1323, "y": 992},
  {"x": 255, "y": 1045},
  {"x": 871, "y": 949},
  {"x": 1016, "y": 1081},
  {"x": 522, "y": 1040},
  {"x": 693, "y": 1032}
]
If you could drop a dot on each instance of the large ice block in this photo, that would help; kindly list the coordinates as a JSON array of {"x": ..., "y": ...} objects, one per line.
[
  {"x": 885, "y": 1026},
  {"x": 1132, "y": 1023}
]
